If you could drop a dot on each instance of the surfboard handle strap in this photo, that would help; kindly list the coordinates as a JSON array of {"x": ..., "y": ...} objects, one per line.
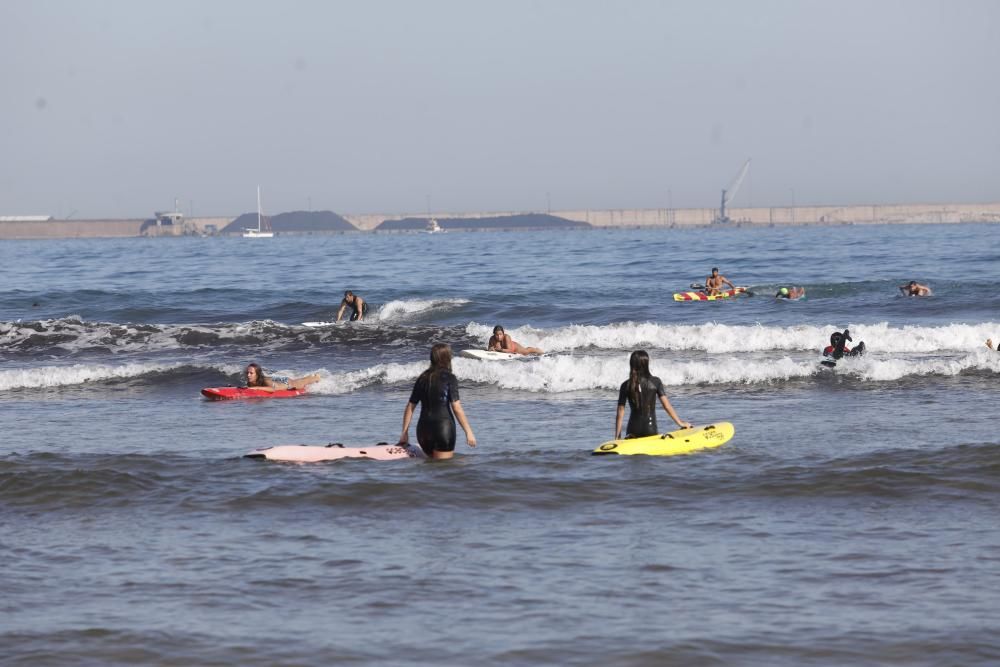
[
  {"x": 340, "y": 444},
  {"x": 710, "y": 427}
]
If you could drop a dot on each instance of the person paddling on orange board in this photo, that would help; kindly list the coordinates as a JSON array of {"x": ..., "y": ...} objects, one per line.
[
  {"x": 640, "y": 391},
  {"x": 257, "y": 380}
]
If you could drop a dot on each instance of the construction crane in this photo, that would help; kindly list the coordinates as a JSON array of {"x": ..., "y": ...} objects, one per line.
[{"x": 730, "y": 192}]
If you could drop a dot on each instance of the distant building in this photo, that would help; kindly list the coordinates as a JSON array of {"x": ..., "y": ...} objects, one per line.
[{"x": 169, "y": 218}]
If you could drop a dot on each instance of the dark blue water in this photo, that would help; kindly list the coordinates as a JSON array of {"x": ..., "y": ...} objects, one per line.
[{"x": 852, "y": 519}]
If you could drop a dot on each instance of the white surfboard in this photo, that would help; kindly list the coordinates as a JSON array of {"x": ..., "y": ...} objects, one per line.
[
  {"x": 318, "y": 324},
  {"x": 489, "y": 355}
]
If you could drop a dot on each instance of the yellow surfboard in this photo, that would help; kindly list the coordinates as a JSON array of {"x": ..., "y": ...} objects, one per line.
[{"x": 684, "y": 441}]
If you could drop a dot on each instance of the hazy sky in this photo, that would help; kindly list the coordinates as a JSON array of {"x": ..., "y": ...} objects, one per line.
[{"x": 114, "y": 108}]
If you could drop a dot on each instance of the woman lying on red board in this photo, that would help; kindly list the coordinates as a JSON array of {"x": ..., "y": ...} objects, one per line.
[{"x": 257, "y": 380}]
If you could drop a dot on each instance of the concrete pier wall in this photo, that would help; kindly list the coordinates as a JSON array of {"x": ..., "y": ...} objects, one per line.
[
  {"x": 131, "y": 227},
  {"x": 69, "y": 229},
  {"x": 786, "y": 215},
  {"x": 685, "y": 217}
]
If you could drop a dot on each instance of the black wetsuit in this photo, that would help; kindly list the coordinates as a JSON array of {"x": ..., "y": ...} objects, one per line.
[
  {"x": 642, "y": 419},
  {"x": 354, "y": 309},
  {"x": 436, "y": 426}
]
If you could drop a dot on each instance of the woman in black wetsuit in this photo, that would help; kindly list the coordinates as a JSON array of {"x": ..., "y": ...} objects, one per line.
[
  {"x": 437, "y": 390},
  {"x": 640, "y": 392}
]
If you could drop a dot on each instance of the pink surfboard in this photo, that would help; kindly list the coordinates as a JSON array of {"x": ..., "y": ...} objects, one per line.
[
  {"x": 336, "y": 451},
  {"x": 236, "y": 393}
]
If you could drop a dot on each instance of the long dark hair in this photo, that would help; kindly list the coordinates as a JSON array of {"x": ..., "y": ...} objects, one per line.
[
  {"x": 261, "y": 380},
  {"x": 639, "y": 365},
  {"x": 440, "y": 362}
]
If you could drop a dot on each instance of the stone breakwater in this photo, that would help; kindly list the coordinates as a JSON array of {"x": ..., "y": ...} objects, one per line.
[{"x": 869, "y": 214}]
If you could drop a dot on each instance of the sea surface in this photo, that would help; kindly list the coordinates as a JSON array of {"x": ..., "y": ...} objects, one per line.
[{"x": 854, "y": 519}]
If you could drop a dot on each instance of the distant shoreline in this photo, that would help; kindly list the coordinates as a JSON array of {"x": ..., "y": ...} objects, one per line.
[{"x": 35, "y": 227}]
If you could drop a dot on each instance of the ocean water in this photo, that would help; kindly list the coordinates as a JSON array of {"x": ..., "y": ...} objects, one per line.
[{"x": 853, "y": 519}]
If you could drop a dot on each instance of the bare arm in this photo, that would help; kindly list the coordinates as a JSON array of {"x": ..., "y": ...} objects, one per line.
[
  {"x": 268, "y": 386},
  {"x": 470, "y": 437},
  {"x": 340, "y": 313},
  {"x": 407, "y": 418},
  {"x": 673, "y": 415},
  {"x": 493, "y": 345},
  {"x": 618, "y": 421},
  {"x": 359, "y": 303},
  {"x": 726, "y": 280}
]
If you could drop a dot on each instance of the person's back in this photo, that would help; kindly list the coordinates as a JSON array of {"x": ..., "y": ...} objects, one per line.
[
  {"x": 838, "y": 346},
  {"x": 436, "y": 390},
  {"x": 435, "y": 394},
  {"x": 642, "y": 419}
]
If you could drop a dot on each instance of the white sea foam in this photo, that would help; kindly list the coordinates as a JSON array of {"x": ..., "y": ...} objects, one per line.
[
  {"x": 380, "y": 374},
  {"x": 559, "y": 374},
  {"x": 880, "y": 369},
  {"x": 726, "y": 338},
  {"x": 73, "y": 334},
  {"x": 403, "y": 309},
  {"x": 565, "y": 373},
  {"x": 63, "y": 376}
]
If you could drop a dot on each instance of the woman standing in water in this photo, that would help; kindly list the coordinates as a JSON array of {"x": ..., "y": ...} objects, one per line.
[
  {"x": 640, "y": 392},
  {"x": 437, "y": 390}
]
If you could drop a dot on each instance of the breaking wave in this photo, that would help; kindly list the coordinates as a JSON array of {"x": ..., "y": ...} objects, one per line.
[
  {"x": 726, "y": 338},
  {"x": 406, "y": 309}
]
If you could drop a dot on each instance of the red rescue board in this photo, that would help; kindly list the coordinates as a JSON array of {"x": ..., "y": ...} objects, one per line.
[{"x": 237, "y": 393}]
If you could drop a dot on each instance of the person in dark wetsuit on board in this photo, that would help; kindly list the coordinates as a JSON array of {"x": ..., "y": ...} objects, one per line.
[
  {"x": 437, "y": 391},
  {"x": 358, "y": 306},
  {"x": 640, "y": 391},
  {"x": 838, "y": 346}
]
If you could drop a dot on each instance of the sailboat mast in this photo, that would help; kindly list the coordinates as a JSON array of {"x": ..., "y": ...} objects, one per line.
[{"x": 258, "y": 208}]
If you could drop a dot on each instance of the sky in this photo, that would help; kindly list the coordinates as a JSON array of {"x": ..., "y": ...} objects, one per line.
[{"x": 117, "y": 108}]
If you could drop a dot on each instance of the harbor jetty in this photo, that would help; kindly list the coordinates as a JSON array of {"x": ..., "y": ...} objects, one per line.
[{"x": 175, "y": 224}]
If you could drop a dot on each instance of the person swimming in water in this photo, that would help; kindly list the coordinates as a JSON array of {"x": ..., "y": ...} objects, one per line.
[
  {"x": 640, "y": 391},
  {"x": 437, "y": 391},
  {"x": 989, "y": 344},
  {"x": 913, "y": 288},
  {"x": 790, "y": 293},
  {"x": 358, "y": 306},
  {"x": 257, "y": 380},
  {"x": 714, "y": 283},
  {"x": 838, "y": 349},
  {"x": 501, "y": 342}
]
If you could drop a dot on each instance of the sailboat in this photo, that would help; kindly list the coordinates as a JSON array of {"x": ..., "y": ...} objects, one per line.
[{"x": 263, "y": 230}]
